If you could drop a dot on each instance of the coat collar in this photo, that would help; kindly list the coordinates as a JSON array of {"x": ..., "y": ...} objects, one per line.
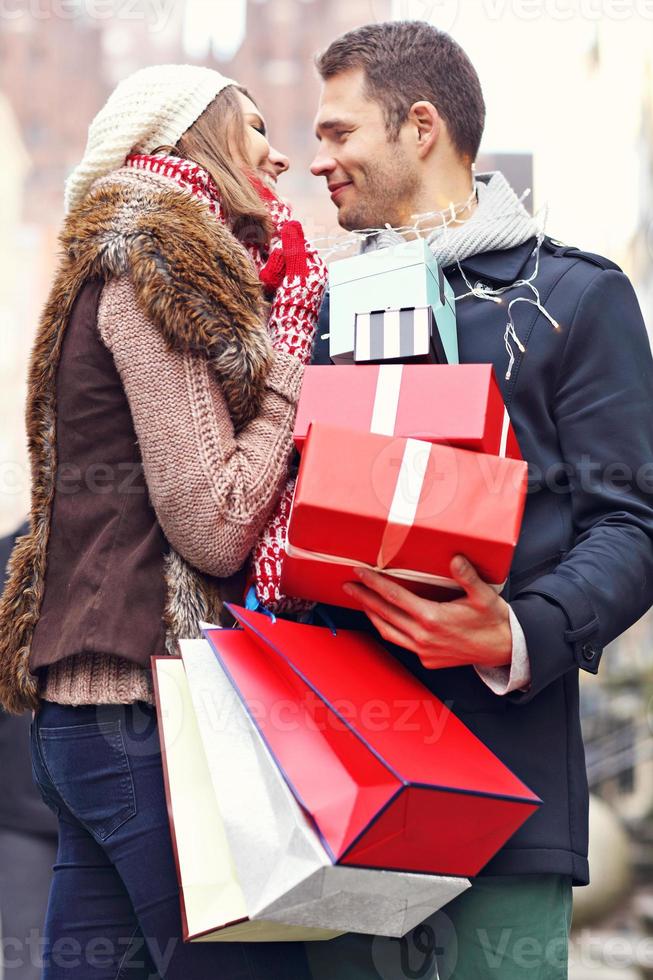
[{"x": 503, "y": 266}]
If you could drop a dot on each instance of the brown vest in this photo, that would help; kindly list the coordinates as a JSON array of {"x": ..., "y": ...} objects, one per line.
[{"x": 104, "y": 582}]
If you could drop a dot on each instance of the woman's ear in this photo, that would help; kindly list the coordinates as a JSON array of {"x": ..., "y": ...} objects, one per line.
[{"x": 426, "y": 122}]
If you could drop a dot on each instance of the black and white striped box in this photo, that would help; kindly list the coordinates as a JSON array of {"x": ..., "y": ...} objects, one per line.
[{"x": 409, "y": 335}]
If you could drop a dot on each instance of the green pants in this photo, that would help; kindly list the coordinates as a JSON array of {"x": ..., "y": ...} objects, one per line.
[{"x": 502, "y": 928}]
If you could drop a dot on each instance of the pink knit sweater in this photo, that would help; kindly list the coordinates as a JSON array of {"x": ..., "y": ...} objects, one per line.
[{"x": 212, "y": 490}]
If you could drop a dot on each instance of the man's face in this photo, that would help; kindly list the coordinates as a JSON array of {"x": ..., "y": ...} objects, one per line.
[{"x": 371, "y": 179}]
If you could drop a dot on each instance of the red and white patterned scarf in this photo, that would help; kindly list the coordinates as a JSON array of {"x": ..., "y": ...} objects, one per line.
[
  {"x": 185, "y": 173},
  {"x": 192, "y": 178}
]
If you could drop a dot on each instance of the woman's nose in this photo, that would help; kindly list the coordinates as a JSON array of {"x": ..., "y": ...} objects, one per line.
[{"x": 280, "y": 162}]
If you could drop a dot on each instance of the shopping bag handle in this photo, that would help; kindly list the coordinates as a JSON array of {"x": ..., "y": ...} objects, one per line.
[
  {"x": 326, "y": 619},
  {"x": 252, "y": 603}
]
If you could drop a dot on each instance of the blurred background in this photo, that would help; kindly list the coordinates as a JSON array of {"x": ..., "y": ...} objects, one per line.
[{"x": 569, "y": 89}]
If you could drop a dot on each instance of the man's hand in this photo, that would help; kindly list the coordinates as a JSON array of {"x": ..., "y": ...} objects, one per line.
[{"x": 474, "y": 629}]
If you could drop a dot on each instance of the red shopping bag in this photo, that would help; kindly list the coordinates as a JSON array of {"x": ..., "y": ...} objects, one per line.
[{"x": 391, "y": 778}]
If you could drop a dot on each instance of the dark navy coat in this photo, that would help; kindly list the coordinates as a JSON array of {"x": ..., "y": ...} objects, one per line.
[{"x": 581, "y": 401}]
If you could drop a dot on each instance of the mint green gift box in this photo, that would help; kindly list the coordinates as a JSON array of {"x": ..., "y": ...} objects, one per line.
[{"x": 394, "y": 278}]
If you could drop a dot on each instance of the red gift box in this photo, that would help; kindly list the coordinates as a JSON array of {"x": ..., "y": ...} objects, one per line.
[
  {"x": 456, "y": 404},
  {"x": 391, "y": 778},
  {"x": 401, "y": 506}
]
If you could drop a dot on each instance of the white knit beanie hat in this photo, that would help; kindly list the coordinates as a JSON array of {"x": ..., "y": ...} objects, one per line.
[{"x": 153, "y": 107}]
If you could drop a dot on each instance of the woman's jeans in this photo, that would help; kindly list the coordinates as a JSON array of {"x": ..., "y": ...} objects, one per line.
[{"x": 114, "y": 910}]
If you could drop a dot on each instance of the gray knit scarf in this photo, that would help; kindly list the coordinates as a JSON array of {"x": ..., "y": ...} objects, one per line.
[{"x": 500, "y": 221}]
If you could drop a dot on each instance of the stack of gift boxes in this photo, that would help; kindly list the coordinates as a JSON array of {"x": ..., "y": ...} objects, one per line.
[{"x": 407, "y": 457}]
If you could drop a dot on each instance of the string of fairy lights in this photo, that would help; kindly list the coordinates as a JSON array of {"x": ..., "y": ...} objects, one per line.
[{"x": 439, "y": 226}]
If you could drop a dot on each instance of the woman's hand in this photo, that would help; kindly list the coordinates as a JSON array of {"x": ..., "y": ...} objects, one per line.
[
  {"x": 297, "y": 276},
  {"x": 291, "y": 259}
]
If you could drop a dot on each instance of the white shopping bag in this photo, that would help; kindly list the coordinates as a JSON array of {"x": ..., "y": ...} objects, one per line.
[
  {"x": 284, "y": 871},
  {"x": 213, "y": 907}
]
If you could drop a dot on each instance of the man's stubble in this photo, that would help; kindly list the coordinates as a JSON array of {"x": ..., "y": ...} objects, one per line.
[{"x": 386, "y": 194}]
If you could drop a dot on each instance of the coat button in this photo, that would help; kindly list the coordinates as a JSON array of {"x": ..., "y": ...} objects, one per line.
[{"x": 589, "y": 651}]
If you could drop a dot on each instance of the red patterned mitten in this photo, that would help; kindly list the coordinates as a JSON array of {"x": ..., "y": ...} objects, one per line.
[{"x": 298, "y": 297}]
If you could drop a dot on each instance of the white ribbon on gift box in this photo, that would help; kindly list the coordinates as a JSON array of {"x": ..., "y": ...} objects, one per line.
[
  {"x": 505, "y": 429},
  {"x": 403, "y": 509},
  {"x": 386, "y": 399}
]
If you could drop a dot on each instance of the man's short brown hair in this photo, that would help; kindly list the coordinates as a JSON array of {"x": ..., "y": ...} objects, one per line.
[{"x": 412, "y": 61}]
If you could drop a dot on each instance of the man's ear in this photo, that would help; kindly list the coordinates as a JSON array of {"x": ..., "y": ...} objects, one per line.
[{"x": 427, "y": 124}]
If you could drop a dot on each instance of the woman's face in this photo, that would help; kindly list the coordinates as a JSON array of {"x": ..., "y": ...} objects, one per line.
[{"x": 268, "y": 163}]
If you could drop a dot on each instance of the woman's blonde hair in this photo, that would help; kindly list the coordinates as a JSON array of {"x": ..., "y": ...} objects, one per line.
[{"x": 216, "y": 142}]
